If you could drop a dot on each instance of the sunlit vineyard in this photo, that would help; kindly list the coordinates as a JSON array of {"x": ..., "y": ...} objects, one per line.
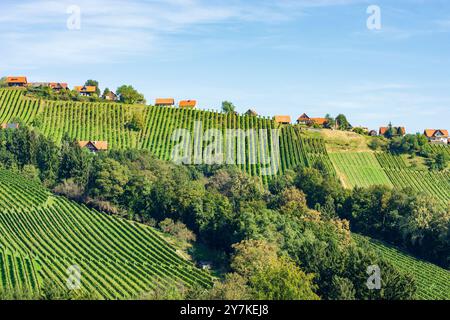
[
  {"x": 359, "y": 169},
  {"x": 437, "y": 148},
  {"x": 44, "y": 235},
  {"x": 108, "y": 122},
  {"x": 433, "y": 183},
  {"x": 433, "y": 282}
]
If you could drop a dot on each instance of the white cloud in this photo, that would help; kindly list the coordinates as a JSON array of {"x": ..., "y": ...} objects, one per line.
[{"x": 35, "y": 32}]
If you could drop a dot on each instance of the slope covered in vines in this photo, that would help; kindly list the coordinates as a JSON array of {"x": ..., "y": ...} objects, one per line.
[
  {"x": 252, "y": 150},
  {"x": 44, "y": 237}
]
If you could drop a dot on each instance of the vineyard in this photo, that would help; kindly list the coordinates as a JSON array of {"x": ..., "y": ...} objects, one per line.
[
  {"x": 251, "y": 150},
  {"x": 359, "y": 169},
  {"x": 433, "y": 282},
  {"x": 436, "y": 184},
  {"x": 44, "y": 235}
]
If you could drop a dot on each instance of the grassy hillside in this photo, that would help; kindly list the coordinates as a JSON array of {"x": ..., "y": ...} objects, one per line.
[
  {"x": 118, "y": 259},
  {"x": 359, "y": 169},
  {"x": 433, "y": 282}
]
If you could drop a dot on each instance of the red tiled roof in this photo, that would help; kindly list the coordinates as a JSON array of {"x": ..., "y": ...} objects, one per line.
[
  {"x": 164, "y": 102},
  {"x": 282, "y": 119},
  {"x": 430, "y": 133},
  {"x": 188, "y": 103},
  {"x": 20, "y": 79},
  {"x": 99, "y": 145}
]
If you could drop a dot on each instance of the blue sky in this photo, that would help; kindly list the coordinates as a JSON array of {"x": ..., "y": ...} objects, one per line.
[{"x": 278, "y": 57}]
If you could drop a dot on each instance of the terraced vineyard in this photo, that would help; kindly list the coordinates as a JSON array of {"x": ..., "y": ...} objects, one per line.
[
  {"x": 359, "y": 169},
  {"x": 436, "y": 184},
  {"x": 118, "y": 259},
  {"x": 433, "y": 282},
  {"x": 108, "y": 122}
]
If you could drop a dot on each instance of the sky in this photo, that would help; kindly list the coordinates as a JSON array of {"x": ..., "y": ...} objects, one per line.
[{"x": 282, "y": 57}]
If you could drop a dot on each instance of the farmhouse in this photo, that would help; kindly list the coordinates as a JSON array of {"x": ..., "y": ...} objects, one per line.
[
  {"x": 16, "y": 81},
  {"x": 396, "y": 131},
  {"x": 164, "y": 102},
  {"x": 94, "y": 146},
  {"x": 282, "y": 119},
  {"x": 110, "y": 96},
  {"x": 188, "y": 104},
  {"x": 86, "y": 90},
  {"x": 10, "y": 126},
  {"x": 437, "y": 136},
  {"x": 252, "y": 113},
  {"x": 319, "y": 121},
  {"x": 58, "y": 86},
  {"x": 304, "y": 120}
]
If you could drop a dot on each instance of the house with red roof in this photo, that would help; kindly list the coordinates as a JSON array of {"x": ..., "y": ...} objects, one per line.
[{"x": 437, "y": 136}]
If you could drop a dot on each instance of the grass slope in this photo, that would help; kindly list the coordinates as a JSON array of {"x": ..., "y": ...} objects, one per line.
[
  {"x": 359, "y": 169},
  {"x": 119, "y": 259}
]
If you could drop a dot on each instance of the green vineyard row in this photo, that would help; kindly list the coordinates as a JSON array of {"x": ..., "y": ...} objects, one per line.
[
  {"x": 118, "y": 259},
  {"x": 433, "y": 282}
]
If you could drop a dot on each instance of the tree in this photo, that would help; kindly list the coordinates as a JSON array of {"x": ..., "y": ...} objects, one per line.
[
  {"x": 108, "y": 179},
  {"x": 342, "y": 122},
  {"x": 106, "y": 92},
  {"x": 129, "y": 95},
  {"x": 441, "y": 161},
  {"x": 331, "y": 122},
  {"x": 269, "y": 275},
  {"x": 234, "y": 287},
  {"x": 74, "y": 162},
  {"x": 137, "y": 122},
  {"x": 228, "y": 107},
  {"x": 93, "y": 83},
  {"x": 3, "y": 82}
]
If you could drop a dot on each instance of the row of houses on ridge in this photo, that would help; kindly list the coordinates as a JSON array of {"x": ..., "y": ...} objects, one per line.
[{"x": 170, "y": 102}]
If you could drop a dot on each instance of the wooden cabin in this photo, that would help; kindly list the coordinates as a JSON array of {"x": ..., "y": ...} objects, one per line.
[
  {"x": 10, "y": 126},
  {"x": 282, "y": 119},
  {"x": 164, "y": 102},
  {"x": 188, "y": 104},
  {"x": 94, "y": 146},
  {"x": 304, "y": 120},
  {"x": 86, "y": 90},
  {"x": 438, "y": 136},
  {"x": 58, "y": 86},
  {"x": 16, "y": 81},
  {"x": 110, "y": 96},
  {"x": 252, "y": 113},
  {"x": 397, "y": 131}
]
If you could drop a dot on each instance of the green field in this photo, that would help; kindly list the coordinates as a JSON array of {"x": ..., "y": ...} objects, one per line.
[
  {"x": 433, "y": 282},
  {"x": 118, "y": 259},
  {"x": 359, "y": 169}
]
